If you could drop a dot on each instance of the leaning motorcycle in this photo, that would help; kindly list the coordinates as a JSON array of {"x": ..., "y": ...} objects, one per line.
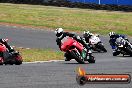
[
  {"x": 123, "y": 47},
  {"x": 7, "y": 57},
  {"x": 96, "y": 44},
  {"x": 75, "y": 50}
]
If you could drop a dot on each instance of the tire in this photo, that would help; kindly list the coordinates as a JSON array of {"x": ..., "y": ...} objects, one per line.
[
  {"x": 11, "y": 63},
  {"x": 18, "y": 63},
  {"x": 91, "y": 59},
  {"x": 116, "y": 53},
  {"x": 77, "y": 57},
  {"x": 18, "y": 60},
  {"x": 67, "y": 56},
  {"x": 1, "y": 61},
  {"x": 101, "y": 47},
  {"x": 129, "y": 50}
]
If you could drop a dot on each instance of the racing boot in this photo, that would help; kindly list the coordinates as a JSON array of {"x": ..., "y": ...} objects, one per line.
[{"x": 67, "y": 57}]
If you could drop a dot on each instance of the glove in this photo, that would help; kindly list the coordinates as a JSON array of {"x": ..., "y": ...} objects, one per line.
[{"x": 78, "y": 37}]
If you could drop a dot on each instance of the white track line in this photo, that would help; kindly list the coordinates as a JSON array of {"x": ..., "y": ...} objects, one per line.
[
  {"x": 122, "y": 58},
  {"x": 45, "y": 61},
  {"x": 20, "y": 47},
  {"x": 37, "y": 61},
  {"x": 42, "y": 61}
]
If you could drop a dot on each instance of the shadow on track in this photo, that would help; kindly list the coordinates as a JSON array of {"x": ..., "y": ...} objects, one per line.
[
  {"x": 76, "y": 63},
  {"x": 98, "y": 52},
  {"x": 123, "y": 56}
]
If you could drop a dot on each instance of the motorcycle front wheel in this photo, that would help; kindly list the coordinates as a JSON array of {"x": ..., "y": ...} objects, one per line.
[
  {"x": 129, "y": 50},
  {"x": 77, "y": 57}
]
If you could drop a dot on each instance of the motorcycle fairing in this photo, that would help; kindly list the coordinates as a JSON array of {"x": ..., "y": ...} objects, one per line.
[
  {"x": 69, "y": 43},
  {"x": 2, "y": 47}
]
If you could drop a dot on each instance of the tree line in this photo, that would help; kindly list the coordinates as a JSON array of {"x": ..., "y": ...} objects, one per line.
[
  {"x": 34, "y": 1},
  {"x": 66, "y": 3}
]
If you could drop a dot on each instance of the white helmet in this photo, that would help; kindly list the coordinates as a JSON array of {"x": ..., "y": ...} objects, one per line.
[
  {"x": 59, "y": 32},
  {"x": 111, "y": 33},
  {"x": 86, "y": 34}
]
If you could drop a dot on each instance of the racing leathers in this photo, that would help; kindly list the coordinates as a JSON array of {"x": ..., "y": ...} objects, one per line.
[
  {"x": 113, "y": 40},
  {"x": 86, "y": 38},
  {"x": 3, "y": 41}
]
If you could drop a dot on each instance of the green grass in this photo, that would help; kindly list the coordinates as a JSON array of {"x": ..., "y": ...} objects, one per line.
[
  {"x": 30, "y": 55},
  {"x": 68, "y": 18}
]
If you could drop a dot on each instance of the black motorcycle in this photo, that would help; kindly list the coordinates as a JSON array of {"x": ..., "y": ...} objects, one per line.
[{"x": 123, "y": 47}]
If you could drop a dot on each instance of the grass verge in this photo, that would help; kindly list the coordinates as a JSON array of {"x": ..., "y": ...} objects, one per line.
[
  {"x": 68, "y": 18},
  {"x": 30, "y": 55}
]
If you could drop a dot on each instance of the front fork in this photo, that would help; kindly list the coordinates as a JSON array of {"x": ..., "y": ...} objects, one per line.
[{"x": 85, "y": 53}]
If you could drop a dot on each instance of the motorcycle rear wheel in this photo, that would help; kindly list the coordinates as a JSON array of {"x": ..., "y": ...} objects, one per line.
[
  {"x": 91, "y": 59},
  {"x": 18, "y": 60},
  {"x": 101, "y": 47}
]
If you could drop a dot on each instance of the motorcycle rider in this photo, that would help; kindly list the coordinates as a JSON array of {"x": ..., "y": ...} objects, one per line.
[
  {"x": 87, "y": 35},
  {"x": 3, "y": 41},
  {"x": 61, "y": 34},
  {"x": 113, "y": 36}
]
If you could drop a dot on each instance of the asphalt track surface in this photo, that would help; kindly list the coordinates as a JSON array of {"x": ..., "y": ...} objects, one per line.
[{"x": 56, "y": 74}]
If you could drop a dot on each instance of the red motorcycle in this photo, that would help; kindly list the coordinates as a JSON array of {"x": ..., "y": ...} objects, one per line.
[
  {"x": 75, "y": 50},
  {"x": 7, "y": 57}
]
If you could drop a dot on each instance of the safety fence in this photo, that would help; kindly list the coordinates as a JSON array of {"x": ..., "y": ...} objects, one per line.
[
  {"x": 117, "y": 5},
  {"x": 108, "y": 2}
]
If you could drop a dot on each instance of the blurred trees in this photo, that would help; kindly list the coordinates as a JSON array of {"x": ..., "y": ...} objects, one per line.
[{"x": 66, "y": 3}]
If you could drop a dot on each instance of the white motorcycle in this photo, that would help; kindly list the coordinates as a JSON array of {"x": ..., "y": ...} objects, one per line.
[{"x": 96, "y": 44}]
